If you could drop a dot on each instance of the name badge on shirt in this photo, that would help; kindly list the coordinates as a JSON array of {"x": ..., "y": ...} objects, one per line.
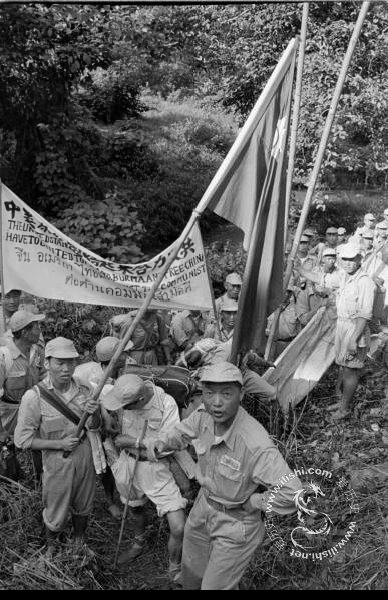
[{"x": 231, "y": 463}]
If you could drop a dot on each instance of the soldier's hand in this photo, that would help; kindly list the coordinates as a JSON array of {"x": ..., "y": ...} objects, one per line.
[
  {"x": 91, "y": 406},
  {"x": 111, "y": 426},
  {"x": 352, "y": 348},
  {"x": 69, "y": 443},
  {"x": 249, "y": 508},
  {"x": 153, "y": 447}
]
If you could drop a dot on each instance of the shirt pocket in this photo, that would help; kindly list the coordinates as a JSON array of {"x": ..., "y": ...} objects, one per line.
[
  {"x": 230, "y": 483},
  {"x": 16, "y": 384},
  {"x": 154, "y": 424},
  {"x": 53, "y": 427}
]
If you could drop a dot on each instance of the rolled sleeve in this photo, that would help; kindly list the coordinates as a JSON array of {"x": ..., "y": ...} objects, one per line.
[
  {"x": 29, "y": 420},
  {"x": 182, "y": 434},
  {"x": 271, "y": 470}
]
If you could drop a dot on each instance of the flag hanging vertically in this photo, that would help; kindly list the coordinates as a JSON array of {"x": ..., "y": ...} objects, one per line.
[{"x": 249, "y": 191}]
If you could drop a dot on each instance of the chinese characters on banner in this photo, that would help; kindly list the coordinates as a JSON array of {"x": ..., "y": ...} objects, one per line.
[{"x": 42, "y": 261}]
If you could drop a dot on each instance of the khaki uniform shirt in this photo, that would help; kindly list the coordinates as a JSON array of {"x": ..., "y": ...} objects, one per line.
[
  {"x": 211, "y": 331},
  {"x": 355, "y": 297},
  {"x": 15, "y": 379},
  {"x": 39, "y": 419},
  {"x": 185, "y": 328},
  {"x": 232, "y": 467},
  {"x": 161, "y": 412}
]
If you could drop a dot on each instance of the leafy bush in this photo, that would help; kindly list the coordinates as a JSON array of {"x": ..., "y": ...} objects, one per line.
[
  {"x": 110, "y": 228},
  {"x": 113, "y": 94},
  {"x": 223, "y": 258}
]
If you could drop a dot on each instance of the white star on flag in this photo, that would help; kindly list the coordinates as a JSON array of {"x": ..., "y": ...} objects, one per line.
[{"x": 279, "y": 138}]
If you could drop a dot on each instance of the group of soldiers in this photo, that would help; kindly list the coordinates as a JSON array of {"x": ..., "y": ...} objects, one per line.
[{"x": 135, "y": 432}]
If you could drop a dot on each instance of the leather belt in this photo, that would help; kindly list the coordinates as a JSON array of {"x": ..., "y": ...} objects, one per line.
[{"x": 236, "y": 512}]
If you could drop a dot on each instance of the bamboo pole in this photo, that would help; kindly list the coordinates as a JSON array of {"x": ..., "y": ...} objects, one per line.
[
  {"x": 1, "y": 256},
  {"x": 216, "y": 320},
  {"x": 147, "y": 301},
  {"x": 324, "y": 139},
  {"x": 296, "y": 113},
  {"x": 291, "y": 161}
]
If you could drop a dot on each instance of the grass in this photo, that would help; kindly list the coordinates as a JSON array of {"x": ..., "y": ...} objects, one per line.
[{"x": 309, "y": 438}]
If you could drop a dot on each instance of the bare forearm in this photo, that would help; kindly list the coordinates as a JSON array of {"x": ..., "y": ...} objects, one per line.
[
  {"x": 361, "y": 323},
  {"x": 39, "y": 444}
]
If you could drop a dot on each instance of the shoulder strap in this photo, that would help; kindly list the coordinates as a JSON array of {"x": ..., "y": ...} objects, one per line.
[{"x": 56, "y": 402}]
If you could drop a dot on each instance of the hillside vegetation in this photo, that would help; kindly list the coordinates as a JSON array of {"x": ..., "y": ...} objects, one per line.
[{"x": 134, "y": 108}]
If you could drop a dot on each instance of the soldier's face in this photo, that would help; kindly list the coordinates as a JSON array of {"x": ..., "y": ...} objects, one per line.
[
  {"x": 332, "y": 239},
  {"x": 369, "y": 223},
  {"x": 303, "y": 248},
  {"x": 32, "y": 333},
  {"x": 222, "y": 401},
  {"x": 368, "y": 244},
  {"x": 350, "y": 265},
  {"x": 61, "y": 370},
  {"x": 328, "y": 263},
  {"x": 228, "y": 318},
  {"x": 233, "y": 290},
  {"x": 11, "y": 302}
]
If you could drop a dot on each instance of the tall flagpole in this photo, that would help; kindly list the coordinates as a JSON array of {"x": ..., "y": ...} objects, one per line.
[
  {"x": 295, "y": 117},
  {"x": 324, "y": 139},
  {"x": 1, "y": 256},
  {"x": 291, "y": 162}
]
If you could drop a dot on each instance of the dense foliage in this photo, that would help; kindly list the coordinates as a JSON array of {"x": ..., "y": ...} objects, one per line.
[{"x": 112, "y": 113}]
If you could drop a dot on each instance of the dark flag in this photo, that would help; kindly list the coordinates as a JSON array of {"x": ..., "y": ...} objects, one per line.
[{"x": 249, "y": 190}]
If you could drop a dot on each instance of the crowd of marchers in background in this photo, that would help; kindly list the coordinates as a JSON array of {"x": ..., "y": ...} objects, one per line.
[{"x": 137, "y": 435}]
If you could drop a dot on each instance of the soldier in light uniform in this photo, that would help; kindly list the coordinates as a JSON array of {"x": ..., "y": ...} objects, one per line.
[
  {"x": 233, "y": 283},
  {"x": 369, "y": 223},
  {"x": 187, "y": 327},
  {"x": 68, "y": 482},
  {"x": 236, "y": 455},
  {"x": 381, "y": 235},
  {"x": 227, "y": 320},
  {"x": 21, "y": 367},
  {"x": 355, "y": 299},
  {"x": 9, "y": 306},
  {"x": 331, "y": 242},
  {"x": 136, "y": 402}
]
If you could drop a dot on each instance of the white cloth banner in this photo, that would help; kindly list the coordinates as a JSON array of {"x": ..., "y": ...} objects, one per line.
[{"x": 42, "y": 261}]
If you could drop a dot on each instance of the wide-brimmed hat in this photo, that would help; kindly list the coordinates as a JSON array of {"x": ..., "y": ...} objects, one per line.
[{"x": 128, "y": 389}]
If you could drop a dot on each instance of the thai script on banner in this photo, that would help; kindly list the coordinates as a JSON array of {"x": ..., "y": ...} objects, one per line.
[{"x": 42, "y": 261}]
